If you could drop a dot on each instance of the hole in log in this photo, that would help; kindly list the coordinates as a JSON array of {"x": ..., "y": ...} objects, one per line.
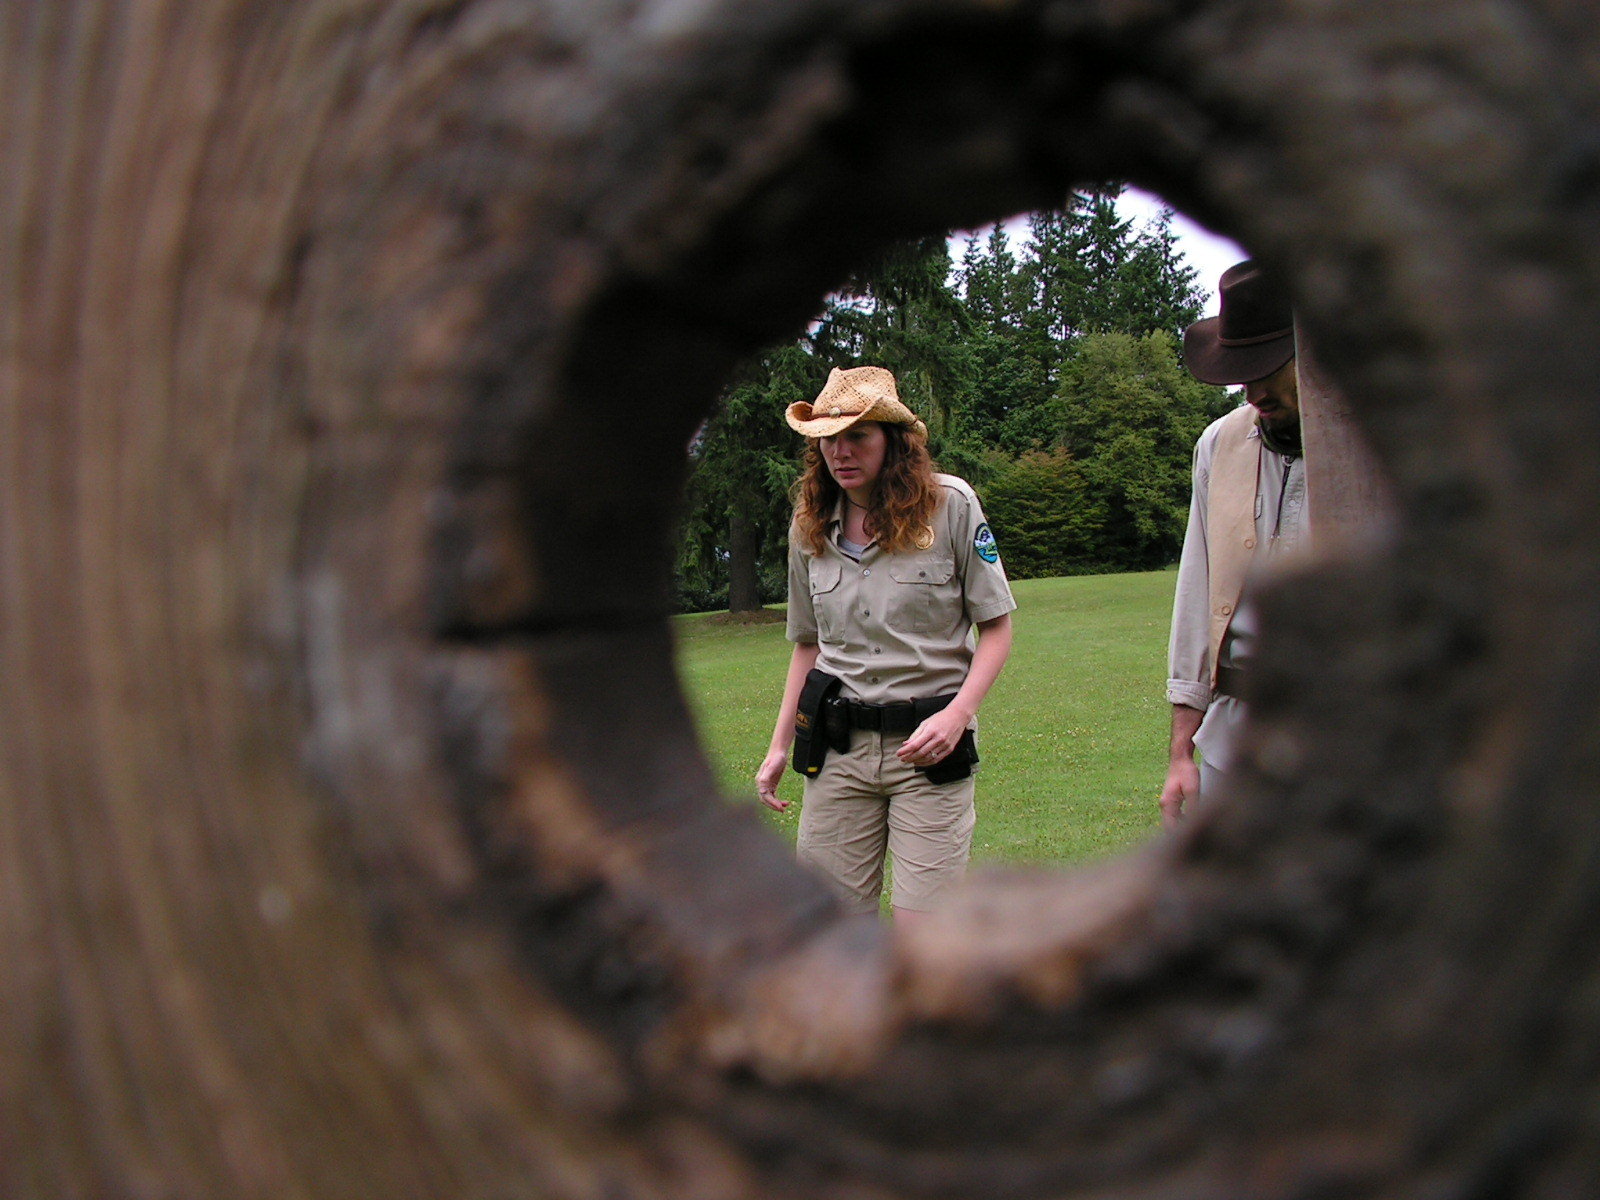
[
  {"x": 355, "y": 837},
  {"x": 1050, "y": 1030},
  {"x": 675, "y": 922}
]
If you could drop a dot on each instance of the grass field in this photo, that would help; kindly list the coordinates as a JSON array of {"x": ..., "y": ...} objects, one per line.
[{"x": 1073, "y": 736}]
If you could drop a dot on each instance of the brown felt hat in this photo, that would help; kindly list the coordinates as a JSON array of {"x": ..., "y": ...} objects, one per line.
[
  {"x": 851, "y": 394},
  {"x": 1252, "y": 336}
]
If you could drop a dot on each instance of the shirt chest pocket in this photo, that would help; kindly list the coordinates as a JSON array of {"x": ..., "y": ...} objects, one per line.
[
  {"x": 825, "y": 598},
  {"x": 921, "y": 598}
]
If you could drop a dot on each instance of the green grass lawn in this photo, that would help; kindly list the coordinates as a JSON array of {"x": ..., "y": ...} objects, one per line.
[{"x": 1073, "y": 736}]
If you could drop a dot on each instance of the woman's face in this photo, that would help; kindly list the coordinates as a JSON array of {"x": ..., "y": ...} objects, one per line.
[{"x": 855, "y": 457}]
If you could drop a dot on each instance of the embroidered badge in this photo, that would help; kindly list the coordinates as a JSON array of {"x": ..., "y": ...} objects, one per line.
[{"x": 983, "y": 543}]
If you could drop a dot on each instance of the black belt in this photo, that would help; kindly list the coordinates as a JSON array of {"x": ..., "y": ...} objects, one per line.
[
  {"x": 902, "y": 716},
  {"x": 1230, "y": 681}
]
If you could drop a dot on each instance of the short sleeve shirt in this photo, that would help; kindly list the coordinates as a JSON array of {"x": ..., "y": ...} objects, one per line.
[{"x": 899, "y": 626}]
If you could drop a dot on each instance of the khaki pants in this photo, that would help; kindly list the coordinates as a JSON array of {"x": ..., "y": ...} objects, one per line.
[{"x": 867, "y": 801}]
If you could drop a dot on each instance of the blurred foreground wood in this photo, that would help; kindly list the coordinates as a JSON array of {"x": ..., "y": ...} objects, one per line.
[{"x": 353, "y": 837}]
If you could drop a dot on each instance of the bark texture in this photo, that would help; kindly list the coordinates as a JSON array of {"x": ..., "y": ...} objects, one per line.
[
  {"x": 354, "y": 840},
  {"x": 1351, "y": 498}
]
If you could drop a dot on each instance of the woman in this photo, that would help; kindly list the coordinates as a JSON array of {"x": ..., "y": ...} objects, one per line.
[{"x": 890, "y": 568}]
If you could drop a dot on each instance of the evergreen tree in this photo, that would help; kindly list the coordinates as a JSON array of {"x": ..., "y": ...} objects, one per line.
[
  {"x": 742, "y": 463},
  {"x": 1043, "y": 517},
  {"x": 1103, "y": 245},
  {"x": 1158, "y": 290},
  {"x": 1093, "y": 273},
  {"x": 903, "y": 314},
  {"x": 1130, "y": 415},
  {"x": 988, "y": 280},
  {"x": 1007, "y": 375},
  {"x": 1112, "y": 493},
  {"x": 1056, "y": 279},
  {"x": 1083, "y": 270}
]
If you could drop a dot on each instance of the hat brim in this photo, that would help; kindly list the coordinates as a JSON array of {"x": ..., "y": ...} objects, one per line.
[
  {"x": 801, "y": 421},
  {"x": 1209, "y": 361}
]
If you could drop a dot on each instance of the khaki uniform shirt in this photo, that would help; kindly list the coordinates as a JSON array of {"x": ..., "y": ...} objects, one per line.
[{"x": 899, "y": 626}]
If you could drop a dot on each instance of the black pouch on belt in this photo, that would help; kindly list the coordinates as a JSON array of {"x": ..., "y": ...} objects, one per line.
[
  {"x": 810, "y": 736},
  {"x": 836, "y": 723},
  {"x": 959, "y": 762}
]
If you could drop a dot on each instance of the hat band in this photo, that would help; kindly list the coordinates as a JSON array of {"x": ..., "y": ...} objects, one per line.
[{"x": 1256, "y": 340}]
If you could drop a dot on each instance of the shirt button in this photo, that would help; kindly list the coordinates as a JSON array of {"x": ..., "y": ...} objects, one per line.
[
  {"x": 1249, "y": 543},
  {"x": 1224, "y": 609},
  {"x": 877, "y": 649},
  {"x": 866, "y": 570},
  {"x": 865, "y": 613},
  {"x": 874, "y": 679}
]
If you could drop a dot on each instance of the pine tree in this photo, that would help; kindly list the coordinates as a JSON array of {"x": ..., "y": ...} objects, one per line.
[
  {"x": 1007, "y": 374},
  {"x": 742, "y": 463},
  {"x": 1157, "y": 289},
  {"x": 1056, "y": 279},
  {"x": 903, "y": 314},
  {"x": 988, "y": 280},
  {"x": 1103, "y": 245}
]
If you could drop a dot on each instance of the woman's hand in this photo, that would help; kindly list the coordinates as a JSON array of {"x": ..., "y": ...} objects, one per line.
[
  {"x": 933, "y": 740},
  {"x": 767, "y": 777}
]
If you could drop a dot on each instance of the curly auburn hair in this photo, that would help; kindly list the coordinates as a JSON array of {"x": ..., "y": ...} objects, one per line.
[{"x": 904, "y": 499}]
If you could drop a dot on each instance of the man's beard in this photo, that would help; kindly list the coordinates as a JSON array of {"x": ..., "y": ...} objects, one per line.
[{"x": 1281, "y": 436}]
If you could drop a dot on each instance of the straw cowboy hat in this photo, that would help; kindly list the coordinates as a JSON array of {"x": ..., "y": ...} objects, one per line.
[
  {"x": 850, "y": 395},
  {"x": 1252, "y": 336}
]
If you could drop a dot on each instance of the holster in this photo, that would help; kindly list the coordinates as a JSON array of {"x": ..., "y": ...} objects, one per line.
[
  {"x": 811, "y": 739},
  {"x": 959, "y": 762}
]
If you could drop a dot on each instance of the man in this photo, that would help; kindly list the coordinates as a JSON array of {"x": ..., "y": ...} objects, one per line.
[{"x": 1248, "y": 505}]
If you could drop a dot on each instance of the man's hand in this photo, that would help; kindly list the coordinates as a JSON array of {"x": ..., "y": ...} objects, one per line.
[
  {"x": 1183, "y": 775},
  {"x": 1182, "y": 787},
  {"x": 933, "y": 740},
  {"x": 767, "y": 777}
]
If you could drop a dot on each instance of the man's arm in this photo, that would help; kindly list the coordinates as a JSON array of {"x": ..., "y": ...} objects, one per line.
[
  {"x": 1189, "y": 653},
  {"x": 1183, "y": 774}
]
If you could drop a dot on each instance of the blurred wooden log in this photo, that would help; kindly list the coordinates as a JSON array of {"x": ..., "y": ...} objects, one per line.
[
  {"x": 1348, "y": 497},
  {"x": 353, "y": 837}
]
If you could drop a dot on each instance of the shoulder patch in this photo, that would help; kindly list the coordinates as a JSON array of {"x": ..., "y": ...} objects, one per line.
[{"x": 983, "y": 542}]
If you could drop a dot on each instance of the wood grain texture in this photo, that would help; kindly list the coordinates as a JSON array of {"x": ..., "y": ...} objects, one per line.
[
  {"x": 1350, "y": 498},
  {"x": 354, "y": 839}
]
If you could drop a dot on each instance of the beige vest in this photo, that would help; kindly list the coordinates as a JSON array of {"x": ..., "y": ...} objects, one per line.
[{"x": 1231, "y": 519}]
